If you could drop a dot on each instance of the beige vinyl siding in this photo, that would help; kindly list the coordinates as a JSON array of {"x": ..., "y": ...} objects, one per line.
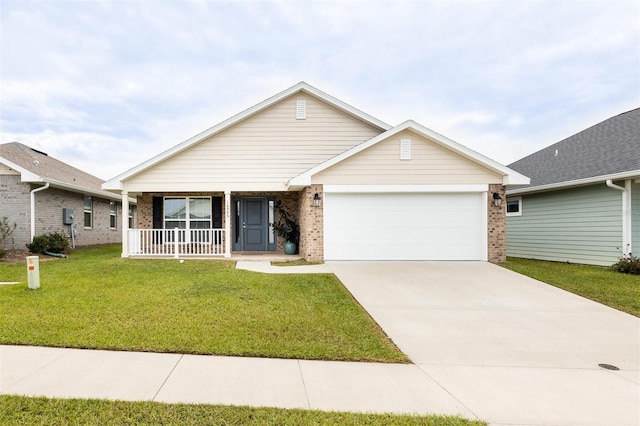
[
  {"x": 429, "y": 164},
  {"x": 579, "y": 225},
  {"x": 260, "y": 153}
]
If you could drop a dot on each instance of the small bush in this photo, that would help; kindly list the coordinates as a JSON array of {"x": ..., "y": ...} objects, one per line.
[
  {"x": 6, "y": 230},
  {"x": 54, "y": 242},
  {"x": 628, "y": 264},
  {"x": 58, "y": 243}
]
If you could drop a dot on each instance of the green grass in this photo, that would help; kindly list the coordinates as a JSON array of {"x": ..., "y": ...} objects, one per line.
[
  {"x": 95, "y": 299},
  {"x": 619, "y": 291},
  {"x": 17, "y": 410}
]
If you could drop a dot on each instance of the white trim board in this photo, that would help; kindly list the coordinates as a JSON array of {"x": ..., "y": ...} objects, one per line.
[{"x": 405, "y": 188}]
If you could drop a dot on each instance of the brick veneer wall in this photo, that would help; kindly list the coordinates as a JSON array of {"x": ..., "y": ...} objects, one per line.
[
  {"x": 311, "y": 224},
  {"x": 49, "y": 205},
  {"x": 496, "y": 226},
  {"x": 16, "y": 206}
]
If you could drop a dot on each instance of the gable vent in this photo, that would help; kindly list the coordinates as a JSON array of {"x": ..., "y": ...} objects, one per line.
[
  {"x": 405, "y": 149},
  {"x": 301, "y": 109}
]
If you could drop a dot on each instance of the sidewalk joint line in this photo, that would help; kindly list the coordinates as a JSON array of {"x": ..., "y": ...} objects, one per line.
[
  {"x": 167, "y": 378},
  {"x": 304, "y": 385},
  {"x": 447, "y": 391}
]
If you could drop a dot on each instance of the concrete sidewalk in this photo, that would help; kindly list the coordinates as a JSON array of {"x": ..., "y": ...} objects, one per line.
[
  {"x": 485, "y": 342},
  {"x": 173, "y": 378}
]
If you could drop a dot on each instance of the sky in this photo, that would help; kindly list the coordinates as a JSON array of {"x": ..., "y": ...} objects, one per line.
[{"x": 105, "y": 85}]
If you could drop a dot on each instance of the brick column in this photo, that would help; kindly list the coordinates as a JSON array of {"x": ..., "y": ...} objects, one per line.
[
  {"x": 311, "y": 221},
  {"x": 496, "y": 226}
]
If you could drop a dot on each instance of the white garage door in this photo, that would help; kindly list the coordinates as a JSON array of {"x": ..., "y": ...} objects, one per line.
[{"x": 404, "y": 226}]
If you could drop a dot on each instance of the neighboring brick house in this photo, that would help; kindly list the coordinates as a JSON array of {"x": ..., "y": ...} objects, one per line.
[
  {"x": 35, "y": 191},
  {"x": 360, "y": 188}
]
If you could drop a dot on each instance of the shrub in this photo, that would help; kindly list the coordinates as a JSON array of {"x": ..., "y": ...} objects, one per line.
[
  {"x": 6, "y": 230},
  {"x": 286, "y": 227},
  {"x": 54, "y": 242},
  {"x": 57, "y": 243},
  {"x": 628, "y": 264}
]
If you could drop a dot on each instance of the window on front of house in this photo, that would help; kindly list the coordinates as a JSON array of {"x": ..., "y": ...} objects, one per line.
[
  {"x": 88, "y": 212},
  {"x": 187, "y": 212},
  {"x": 514, "y": 206},
  {"x": 112, "y": 214}
]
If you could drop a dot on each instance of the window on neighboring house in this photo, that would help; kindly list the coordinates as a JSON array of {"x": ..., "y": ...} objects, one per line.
[
  {"x": 88, "y": 212},
  {"x": 514, "y": 206},
  {"x": 112, "y": 214},
  {"x": 130, "y": 217},
  {"x": 188, "y": 213}
]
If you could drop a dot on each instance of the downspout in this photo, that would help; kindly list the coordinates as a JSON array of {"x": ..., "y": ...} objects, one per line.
[
  {"x": 33, "y": 208},
  {"x": 626, "y": 214}
]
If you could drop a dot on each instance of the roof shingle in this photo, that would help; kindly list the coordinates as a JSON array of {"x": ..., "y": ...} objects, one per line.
[
  {"x": 47, "y": 167},
  {"x": 609, "y": 147}
]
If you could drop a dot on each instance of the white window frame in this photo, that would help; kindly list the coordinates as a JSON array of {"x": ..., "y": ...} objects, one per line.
[
  {"x": 187, "y": 219},
  {"x": 88, "y": 211},
  {"x": 113, "y": 215},
  {"x": 519, "y": 200},
  {"x": 131, "y": 217}
]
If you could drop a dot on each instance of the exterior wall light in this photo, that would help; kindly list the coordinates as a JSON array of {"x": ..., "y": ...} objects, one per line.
[
  {"x": 316, "y": 200},
  {"x": 497, "y": 199}
]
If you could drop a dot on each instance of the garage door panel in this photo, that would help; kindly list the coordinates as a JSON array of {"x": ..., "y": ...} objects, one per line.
[{"x": 403, "y": 226}]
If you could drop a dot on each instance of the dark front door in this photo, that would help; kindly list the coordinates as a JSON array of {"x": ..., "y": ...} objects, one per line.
[
  {"x": 254, "y": 224},
  {"x": 250, "y": 223}
]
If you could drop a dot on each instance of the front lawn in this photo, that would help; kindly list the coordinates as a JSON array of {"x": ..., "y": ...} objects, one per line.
[
  {"x": 620, "y": 291},
  {"x": 18, "y": 410},
  {"x": 95, "y": 299}
]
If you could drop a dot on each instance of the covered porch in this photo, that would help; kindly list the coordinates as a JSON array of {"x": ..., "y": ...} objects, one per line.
[{"x": 211, "y": 224}]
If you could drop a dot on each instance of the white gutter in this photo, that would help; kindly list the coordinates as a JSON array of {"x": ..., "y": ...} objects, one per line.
[
  {"x": 610, "y": 184},
  {"x": 33, "y": 208},
  {"x": 626, "y": 214},
  {"x": 632, "y": 174}
]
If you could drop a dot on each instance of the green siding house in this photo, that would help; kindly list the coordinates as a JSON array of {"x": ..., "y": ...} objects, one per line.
[{"x": 583, "y": 202}]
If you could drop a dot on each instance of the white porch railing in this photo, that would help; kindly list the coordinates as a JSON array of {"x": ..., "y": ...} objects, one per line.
[{"x": 176, "y": 242}]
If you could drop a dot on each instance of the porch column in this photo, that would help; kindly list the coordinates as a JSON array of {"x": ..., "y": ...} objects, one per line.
[
  {"x": 227, "y": 224},
  {"x": 125, "y": 224}
]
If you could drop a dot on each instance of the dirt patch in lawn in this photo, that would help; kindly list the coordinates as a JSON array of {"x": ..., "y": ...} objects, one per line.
[{"x": 20, "y": 256}]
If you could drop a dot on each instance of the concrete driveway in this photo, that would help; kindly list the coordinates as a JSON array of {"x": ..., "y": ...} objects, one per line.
[{"x": 510, "y": 349}]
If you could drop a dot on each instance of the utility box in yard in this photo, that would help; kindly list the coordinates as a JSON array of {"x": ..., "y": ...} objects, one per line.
[{"x": 33, "y": 272}]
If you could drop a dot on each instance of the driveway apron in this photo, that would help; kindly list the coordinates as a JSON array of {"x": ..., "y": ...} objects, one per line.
[{"x": 511, "y": 349}]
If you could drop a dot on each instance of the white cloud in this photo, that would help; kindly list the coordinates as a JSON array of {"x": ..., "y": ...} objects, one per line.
[{"x": 128, "y": 79}]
